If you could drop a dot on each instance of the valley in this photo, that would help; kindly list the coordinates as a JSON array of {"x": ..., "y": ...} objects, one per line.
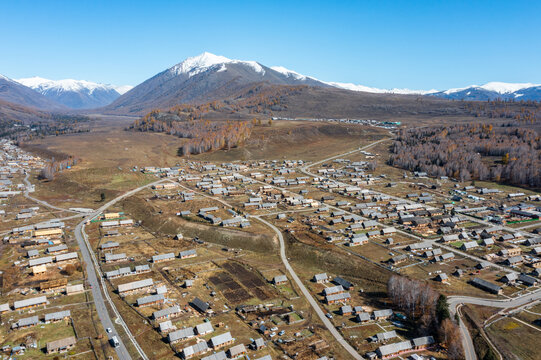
[
  {"x": 224, "y": 209},
  {"x": 297, "y": 201}
]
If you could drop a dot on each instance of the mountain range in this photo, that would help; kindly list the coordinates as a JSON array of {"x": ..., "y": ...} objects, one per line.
[
  {"x": 13, "y": 92},
  {"x": 208, "y": 77},
  {"x": 200, "y": 79},
  {"x": 493, "y": 91},
  {"x": 75, "y": 94}
]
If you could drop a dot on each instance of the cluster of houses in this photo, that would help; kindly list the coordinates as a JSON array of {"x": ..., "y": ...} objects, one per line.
[
  {"x": 363, "y": 215},
  {"x": 47, "y": 318}
]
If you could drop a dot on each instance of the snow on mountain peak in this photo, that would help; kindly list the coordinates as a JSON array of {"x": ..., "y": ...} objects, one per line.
[
  {"x": 201, "y": 63},
  {"x": 505, "y": 88},
  {"x": 354, "y": 87},
  {"x": 123, "y": 89},
  {"x": 289, "y": 73},
  {"x": 82, "y": 86},
  {"x": 495, "y": 86}
]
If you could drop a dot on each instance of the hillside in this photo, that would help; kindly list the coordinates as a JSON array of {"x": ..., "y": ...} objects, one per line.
[
  {"x": 21, "y": 122},
  {"x": 75, "y": 94},
  {"x": 16, "y": 93},
  {"x": 201, "y": 79}
]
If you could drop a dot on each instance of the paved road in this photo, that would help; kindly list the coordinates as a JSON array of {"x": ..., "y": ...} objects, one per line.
[
  {"x": 297, "y": 280},
  {"x": 456, "y": 301},
  {"x": 453, "y": 301},
  {"x": 96, "y": 280},
  {"x": 307, "y": 294},
  {"x": 467, "y": 342},
  {"x": 503, "y": 304},
  {"x": 44, "y": 203}
]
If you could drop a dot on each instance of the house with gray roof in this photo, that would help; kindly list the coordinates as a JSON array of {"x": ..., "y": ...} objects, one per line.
[
  {"x": 384, "y": 336},
  {"x": 135, "y": 286},
  {"x": 163, "y": 257},
  {"x": 25, "y": 322},
  {"x": 221, "y": 340},
  {"x": 166, "y": 313},
  {"x": 179, "y": 335},
  {"x": 469, "y": 245},
  {"x": 151, "y": 300},
  {"x": 279, "y": 279},
  {"x": 486, "y": 286},
  {"x": 386, "y": 351},
  {"x": 333, "y": 290},
  {"x": 338, "y": 298},
  {"x": 320, "y": 278},
  {"x": 216, "y": 356},
  {"x": 29, "y": 303},
  {"x": 187, "y": 254},
  {"x": 194, "y": 350},
  {"x": 382, "y": 314},
  {"x": 363, "y": 317},
  {"x": 57, "y": 316},
  {"x": 204, "y": 328}
]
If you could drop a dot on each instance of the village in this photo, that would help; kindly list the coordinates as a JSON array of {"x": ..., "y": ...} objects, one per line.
[{"x": 223, "y": 287}]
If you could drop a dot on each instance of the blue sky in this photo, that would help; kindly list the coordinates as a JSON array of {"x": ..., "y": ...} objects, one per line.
[{"x": 413, "y": 44}]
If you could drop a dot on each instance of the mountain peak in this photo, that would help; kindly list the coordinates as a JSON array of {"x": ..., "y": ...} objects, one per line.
[
  {"x": 76, "y": 94},
  {"x": 201, "y": 63},
  {"x": 42, "y": 85},
  {"x": 506, "y": 88},
  {"x": 495, "y": 86}
]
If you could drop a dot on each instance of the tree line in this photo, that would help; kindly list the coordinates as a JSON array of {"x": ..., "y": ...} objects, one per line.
[
  {"x": 520, "y": 112},
  {"x": 201, "y": 135},
  {"x": 49, "y": 171},
  {"x": 471, "y": 152},
  {"x": 427, "y": 312}
]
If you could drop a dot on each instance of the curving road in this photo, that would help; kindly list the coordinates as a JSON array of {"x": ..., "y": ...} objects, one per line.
[
  {"x": 41, "y": 202},
  {"x": 307, "y": 294},
  {"x": 455, "y": 302},
  {"x": 297, "y": 280}
]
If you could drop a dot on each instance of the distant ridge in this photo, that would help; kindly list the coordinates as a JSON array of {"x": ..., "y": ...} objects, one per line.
[
  {"x": 75, "y": 94},
  {"x": 13, "y": 92},
  {"x": 203, "y": 78}
]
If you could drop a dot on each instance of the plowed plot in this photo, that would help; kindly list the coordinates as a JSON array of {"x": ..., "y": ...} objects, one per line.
[
  {"x": 231, "y": 289},
  {"x": 249, "y": 280}
]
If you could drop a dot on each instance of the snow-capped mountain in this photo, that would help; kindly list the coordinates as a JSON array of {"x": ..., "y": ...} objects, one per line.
[
  {"x": 122, "y": 89},
  {"x": 354, "y": 87},
  {"x": 493, "y": 90},
  {"x": 75, "y": 94},
  {"x": 198, "y": 64},
  {"x": 203, "y": 78},
  {"x": 350, "y": 86},
  {"x": 489, "y": 91},
  {"x": 209, "y": 77},
  {"x": 16, "y": 93}
]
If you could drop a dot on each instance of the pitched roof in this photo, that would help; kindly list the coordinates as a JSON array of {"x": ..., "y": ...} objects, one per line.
[
  {"x": 180, "y": 334},
  {"x": 221, "y": 339}
]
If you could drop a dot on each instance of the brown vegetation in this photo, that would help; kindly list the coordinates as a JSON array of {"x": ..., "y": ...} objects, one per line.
[
  {"x": 458, "y": 151},
  {"x": 48, "y": 172},
  {"x": 426, "y": 312},
  {"x": 203, "y": 135}
]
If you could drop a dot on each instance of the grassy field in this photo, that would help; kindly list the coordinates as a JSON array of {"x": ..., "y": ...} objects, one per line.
[
  {"x": 109, "y": 145},
  {"x": 514, "y": 339}
]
